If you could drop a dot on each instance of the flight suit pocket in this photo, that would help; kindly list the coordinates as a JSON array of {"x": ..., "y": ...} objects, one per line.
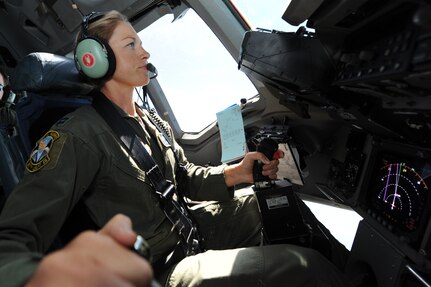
[{"x": 129, "y": 168}]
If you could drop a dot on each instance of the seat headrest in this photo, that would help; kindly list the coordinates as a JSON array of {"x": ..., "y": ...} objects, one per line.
[{"x": 48, "y": 73}]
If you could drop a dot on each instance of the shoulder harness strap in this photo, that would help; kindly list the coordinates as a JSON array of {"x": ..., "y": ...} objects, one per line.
[{"x": 176, "y": 211}]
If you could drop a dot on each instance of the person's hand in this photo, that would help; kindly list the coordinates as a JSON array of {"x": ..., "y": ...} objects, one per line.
[
  {"x": 95, "y": 259},
  {"x": 242, "y": 172}
]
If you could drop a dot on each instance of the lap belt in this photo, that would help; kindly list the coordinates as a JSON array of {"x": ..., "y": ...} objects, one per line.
[{"x": 175, "y": 210}]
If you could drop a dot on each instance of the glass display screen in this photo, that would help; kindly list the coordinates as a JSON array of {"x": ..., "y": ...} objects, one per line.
[{"x": 399, "y": 190}]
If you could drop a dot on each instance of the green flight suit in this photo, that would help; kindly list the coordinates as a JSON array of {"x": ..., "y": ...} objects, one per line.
[
  {"x": 86, "y": 162},
  {"x": 79, "y": 162}
]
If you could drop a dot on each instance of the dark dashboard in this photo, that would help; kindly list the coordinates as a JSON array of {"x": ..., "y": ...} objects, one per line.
[
  {"x": 365, "y": 62},
  {"x": 367, "y": 65}
]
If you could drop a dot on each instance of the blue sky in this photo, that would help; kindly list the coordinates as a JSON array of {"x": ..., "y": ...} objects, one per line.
[
  {"x": 195, "y": 70},
  {"x": 265, "y": 14}
]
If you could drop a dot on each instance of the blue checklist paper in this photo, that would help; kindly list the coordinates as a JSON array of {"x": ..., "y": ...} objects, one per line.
[{"x": 232, "y": 134}]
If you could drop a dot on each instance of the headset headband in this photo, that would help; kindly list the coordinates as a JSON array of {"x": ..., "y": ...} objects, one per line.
[{"x": 91, "y": 17}]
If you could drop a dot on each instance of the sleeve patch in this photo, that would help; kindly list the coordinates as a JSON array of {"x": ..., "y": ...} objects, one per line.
[{"x": 39, "y": 156}]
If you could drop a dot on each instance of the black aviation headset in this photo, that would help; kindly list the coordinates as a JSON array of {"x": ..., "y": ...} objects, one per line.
[{"x": 93, "y": 56}]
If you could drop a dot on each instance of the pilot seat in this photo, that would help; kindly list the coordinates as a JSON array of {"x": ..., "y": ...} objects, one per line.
[{"x": 47, "y": 86}]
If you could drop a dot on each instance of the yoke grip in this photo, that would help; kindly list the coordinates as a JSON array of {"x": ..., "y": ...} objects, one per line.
[{"x": 268, "y": 147}]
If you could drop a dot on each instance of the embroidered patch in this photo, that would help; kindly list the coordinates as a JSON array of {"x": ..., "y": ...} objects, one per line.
[{"x": 39, "y": 156}]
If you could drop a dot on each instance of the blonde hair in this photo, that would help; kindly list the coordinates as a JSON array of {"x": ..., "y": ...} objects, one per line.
[{"x": 102, "y": 25}]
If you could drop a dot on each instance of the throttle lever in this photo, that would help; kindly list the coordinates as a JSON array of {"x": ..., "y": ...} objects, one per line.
[{"x": 268, "y": 147}]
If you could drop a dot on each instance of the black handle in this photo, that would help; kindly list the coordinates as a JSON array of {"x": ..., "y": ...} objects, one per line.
[
  {"x": 268, "y": 147},
  {"x": 141, "y": 247}
]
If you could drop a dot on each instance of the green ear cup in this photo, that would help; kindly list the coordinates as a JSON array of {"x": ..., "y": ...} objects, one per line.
[{"x": 91, "y": 58}]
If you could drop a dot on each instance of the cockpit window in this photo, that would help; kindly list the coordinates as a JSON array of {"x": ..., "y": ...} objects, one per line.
[
  {"x": 262, "y": 15},
  {"x": 197, "y": 74}
]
